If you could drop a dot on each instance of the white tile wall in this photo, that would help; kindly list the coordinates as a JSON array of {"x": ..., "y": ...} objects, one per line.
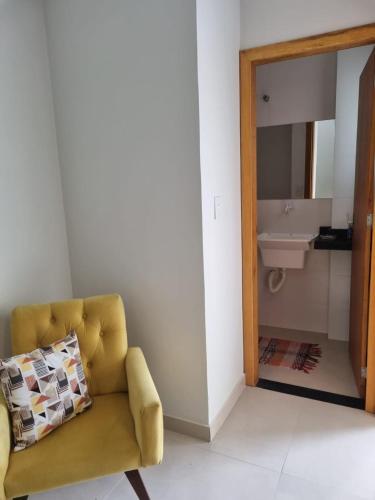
[
  {"x": 342, "y": 209},
  {"x": 302, "y": 303},
  {"x": 340, "y": 272},
  {"x": 341, "y": 263},
  {"x": 305, "y": 217},
  {"x": 339, "y": 295}
]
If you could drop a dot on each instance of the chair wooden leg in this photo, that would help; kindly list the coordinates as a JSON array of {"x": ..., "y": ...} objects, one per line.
[{"x": 135, "y": 480}]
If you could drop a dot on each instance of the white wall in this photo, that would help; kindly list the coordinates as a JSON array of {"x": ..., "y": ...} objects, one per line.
[
  {"x": 34, "y": 264},
  {"x": 124, "y": 76},
  {"x": 302, "y": 303},
  {"x": 218, "y": 26},
  {"x": 350, "y": 64},
  {"x": 300, "y": 90},
  {"x": 270, "y": 21}
]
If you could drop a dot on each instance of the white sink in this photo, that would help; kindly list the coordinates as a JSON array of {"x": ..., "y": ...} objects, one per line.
[{"x": 285, "y": 250}]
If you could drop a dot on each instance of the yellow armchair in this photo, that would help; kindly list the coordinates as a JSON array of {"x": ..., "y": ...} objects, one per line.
[{"x": 123, "y": 431}]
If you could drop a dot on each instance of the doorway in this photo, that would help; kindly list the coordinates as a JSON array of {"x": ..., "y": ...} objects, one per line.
[{"x": 250, "y": 60}]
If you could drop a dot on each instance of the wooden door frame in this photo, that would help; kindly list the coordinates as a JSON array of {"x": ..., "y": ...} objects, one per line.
[{"x": 249, "y": 60}]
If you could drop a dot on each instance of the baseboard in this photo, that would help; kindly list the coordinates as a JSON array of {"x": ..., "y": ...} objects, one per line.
[
  {"x": 176, "y": 424},
  {"x": 203, "y": 431},
  {"x": 227, "y": 407}
]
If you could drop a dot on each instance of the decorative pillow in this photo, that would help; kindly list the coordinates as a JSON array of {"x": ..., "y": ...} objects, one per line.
[{"x": 44, "y": 389}]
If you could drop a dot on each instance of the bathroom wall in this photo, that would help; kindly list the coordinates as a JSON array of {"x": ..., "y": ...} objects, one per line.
[
  {"x": 350, "y": 64},
  {"x": 339, "y": 295},
  {"x": 321, "y": 291},
  {"x": 302, "y": 303},
  {"x": 300, "y": 90}
]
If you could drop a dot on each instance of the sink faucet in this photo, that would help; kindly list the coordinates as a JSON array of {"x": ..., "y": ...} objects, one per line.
[{"x": 288, "y": 207}]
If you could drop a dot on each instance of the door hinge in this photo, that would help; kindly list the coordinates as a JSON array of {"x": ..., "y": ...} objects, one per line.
[
  {"x": 369, "y": 220},
  {"x": 364, "y": 372}
]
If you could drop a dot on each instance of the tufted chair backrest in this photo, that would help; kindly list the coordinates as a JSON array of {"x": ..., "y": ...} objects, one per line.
[{"x": 100, "y": 326}]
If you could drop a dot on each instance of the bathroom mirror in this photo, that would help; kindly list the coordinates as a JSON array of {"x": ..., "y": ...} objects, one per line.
[{"x": 295, "y": 161}]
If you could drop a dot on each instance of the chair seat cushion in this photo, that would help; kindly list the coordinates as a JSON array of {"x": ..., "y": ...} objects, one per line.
[{"x": 96, "y": 443}]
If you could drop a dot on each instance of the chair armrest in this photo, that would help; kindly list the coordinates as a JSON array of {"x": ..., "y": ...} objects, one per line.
[
  {"x": 145, "y": 406},
  {"x": 4, "y": 443}
]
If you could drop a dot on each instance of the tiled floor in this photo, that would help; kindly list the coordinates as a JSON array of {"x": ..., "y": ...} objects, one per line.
[
  {"x": 333, "y": 372},
  {"x": 272, "y": 446}
]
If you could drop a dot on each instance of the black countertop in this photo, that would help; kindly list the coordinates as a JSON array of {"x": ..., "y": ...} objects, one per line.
[{"x": 333, "y": 239}]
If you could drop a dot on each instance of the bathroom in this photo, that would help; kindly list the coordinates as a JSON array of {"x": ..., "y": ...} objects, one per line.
[{"x": 306, "y": 112}]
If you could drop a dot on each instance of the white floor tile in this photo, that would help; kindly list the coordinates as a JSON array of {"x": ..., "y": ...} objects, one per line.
[
  {"x": 189, "y": 472},
  {"x": 333, "y": 446},
  {"x": 324, "y": 452},
  {"x": 295, "y": 488},
  {"x": 259, "y": 429}
]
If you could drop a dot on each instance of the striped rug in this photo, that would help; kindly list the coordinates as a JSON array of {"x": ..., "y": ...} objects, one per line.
[{"x": 289, "y": 353}]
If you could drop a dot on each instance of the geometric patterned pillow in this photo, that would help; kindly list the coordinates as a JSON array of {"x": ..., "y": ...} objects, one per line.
[{"x": 44, "y": 389}]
